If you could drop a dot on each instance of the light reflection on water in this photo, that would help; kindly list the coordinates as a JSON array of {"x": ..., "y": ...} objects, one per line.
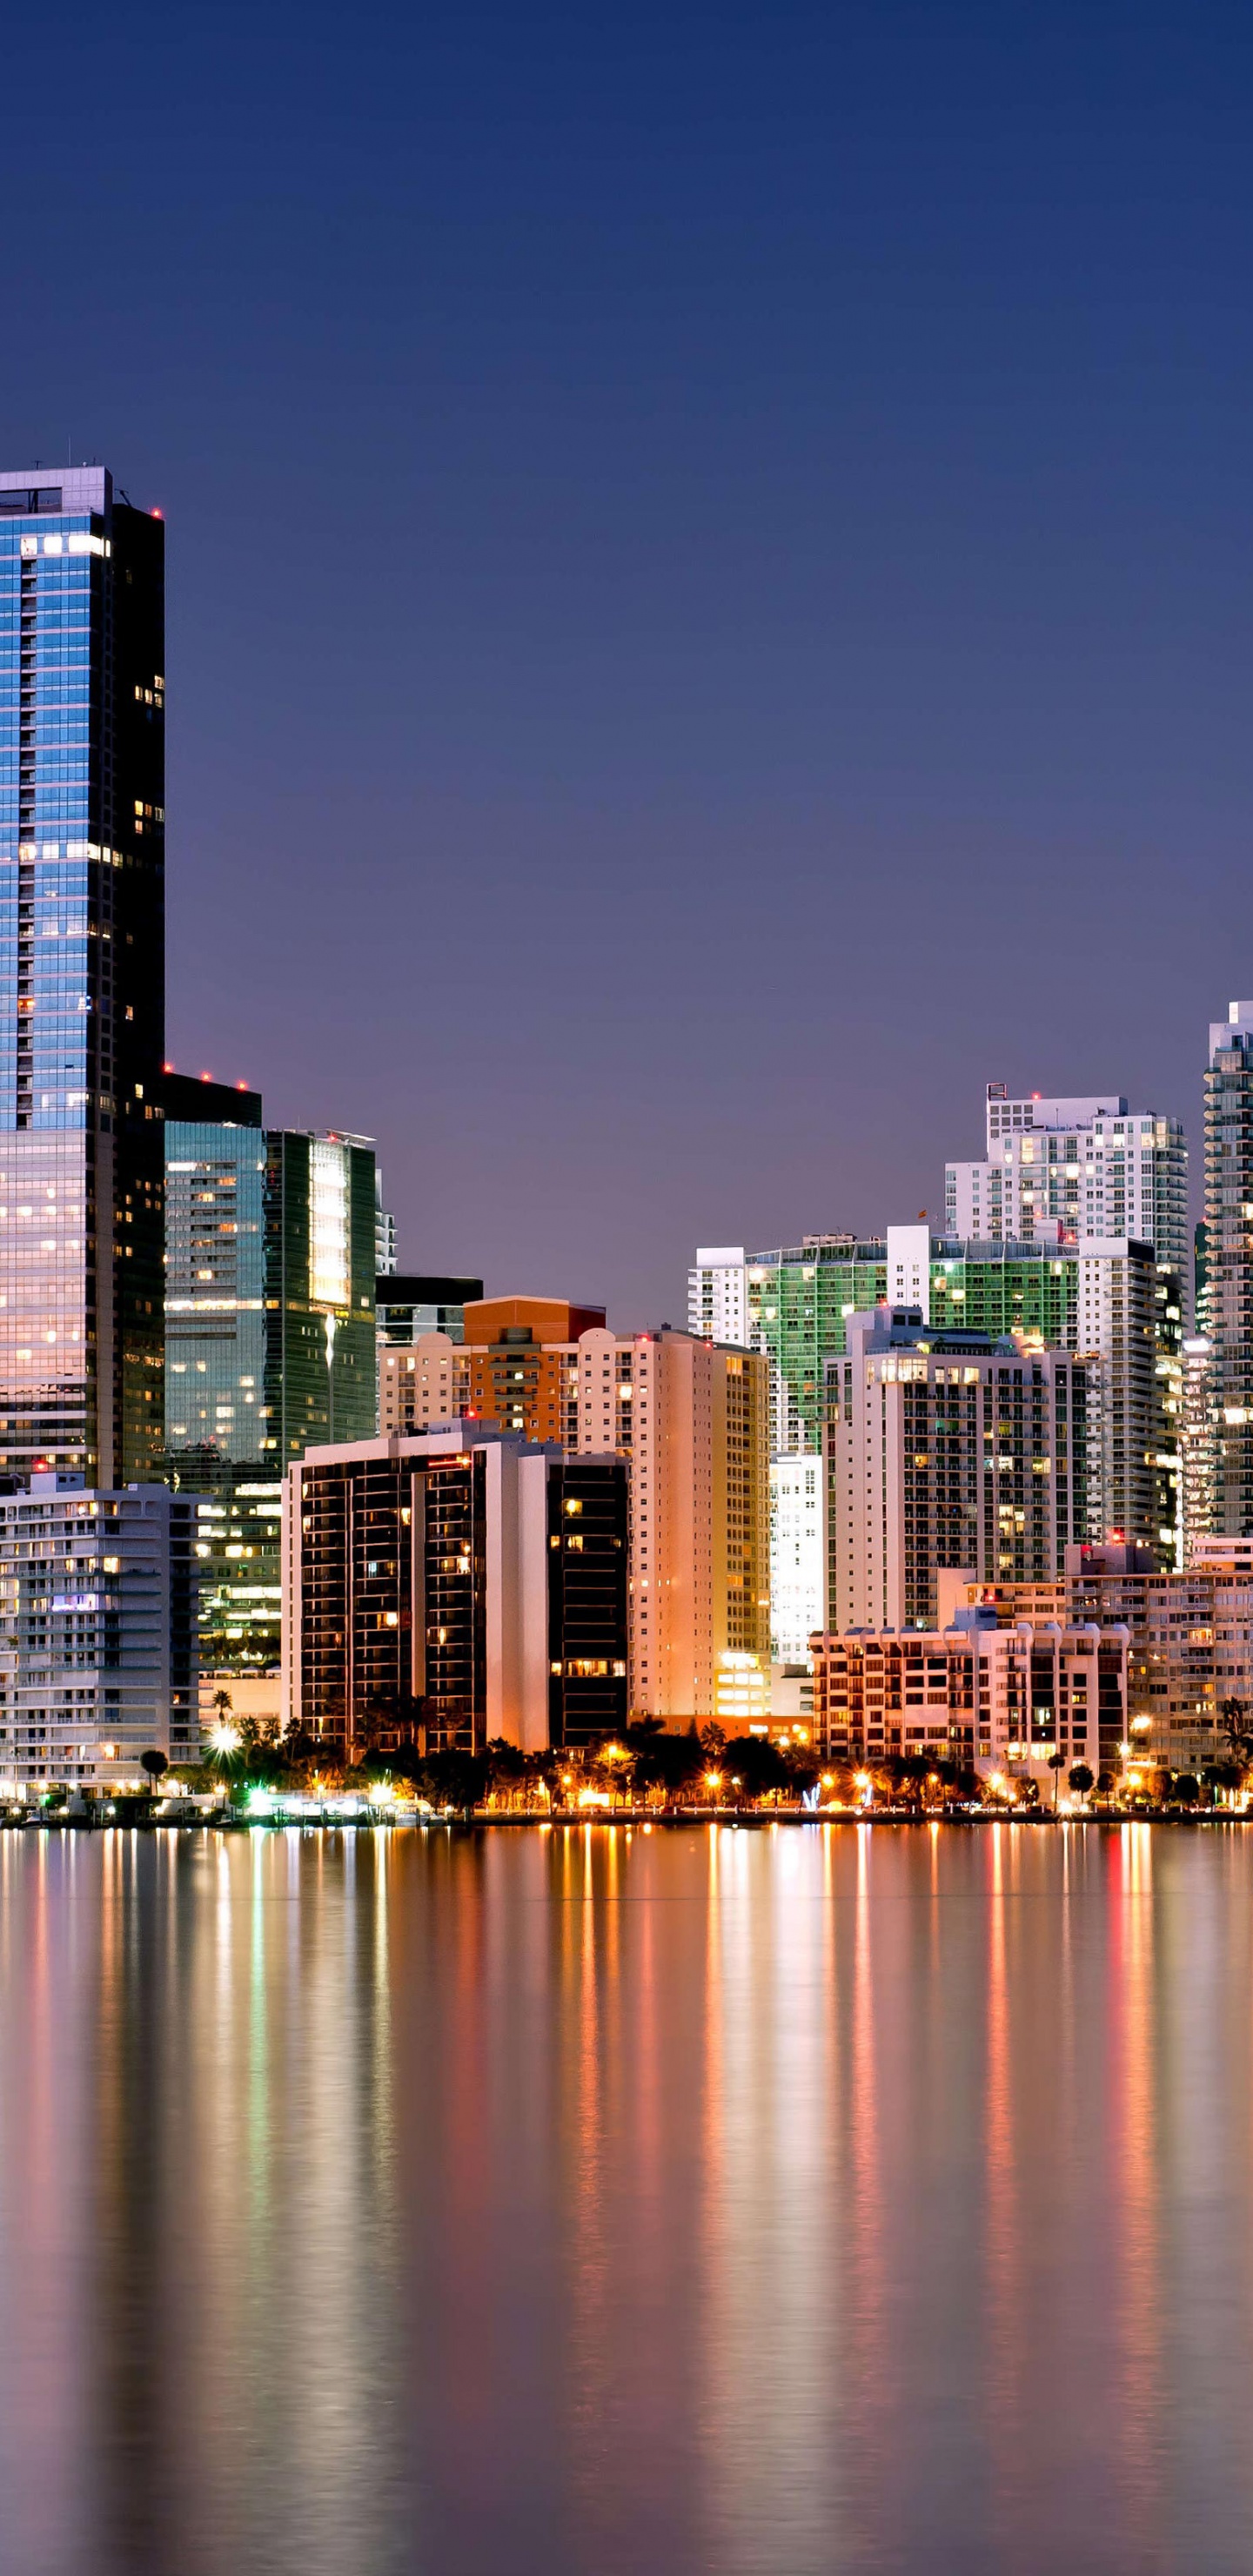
[{"x": 835, "y": 2199}]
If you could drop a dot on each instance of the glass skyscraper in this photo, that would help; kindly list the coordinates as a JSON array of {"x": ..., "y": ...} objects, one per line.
[
  {"x": 270, "y": 1336},
  {"x": 82, "y": 967}
]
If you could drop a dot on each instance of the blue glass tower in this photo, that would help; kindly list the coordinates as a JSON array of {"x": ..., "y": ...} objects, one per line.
[{"x": 82, "y": 976}]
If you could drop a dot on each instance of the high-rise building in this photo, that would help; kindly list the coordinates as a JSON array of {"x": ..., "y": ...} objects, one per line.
[
  {"x": 270, "y": 1283},
  {"x": 516, "y": 1360},
  {"x": 384, "y": 1233},
  {"x": 1198, "y": 1445},
  {"x": 452, "y": 1589},
  {"x": 1229, "y": 1264},
  {"x": 322, "y": 1382},
  {"x": 270, "y": 1337},
  {"x": 1118, "y": 1307},
  {"x": 946, "y": 1449},
  {"x": 422, "y": 1383},
  {"x": 1088, "y": 1166},
  {"x": 215, "y": 1289},
  {"x": 692, "y": 1416},
  {"x": 717, "y": 1295},
  {"x": 82, "y": 975},
  {"x": 797, "y": 1557},
  {"x": 408, "y": 1305},
  {"x": 97, "y": 1633},
  {"x": 798, "y": 1300}
]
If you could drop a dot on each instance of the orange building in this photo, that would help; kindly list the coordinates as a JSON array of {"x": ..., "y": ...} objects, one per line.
[{"x": 515, "y": 1361}]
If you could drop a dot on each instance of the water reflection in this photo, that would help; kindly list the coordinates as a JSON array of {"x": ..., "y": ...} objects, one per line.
[{"x": 847, "y": 2198}]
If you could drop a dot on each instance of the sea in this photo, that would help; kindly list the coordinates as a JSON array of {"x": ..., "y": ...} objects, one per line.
[{"x": 596, "y": 2200}]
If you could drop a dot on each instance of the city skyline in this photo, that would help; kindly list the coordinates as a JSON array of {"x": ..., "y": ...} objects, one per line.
[{"x": 626, "y": 1289}]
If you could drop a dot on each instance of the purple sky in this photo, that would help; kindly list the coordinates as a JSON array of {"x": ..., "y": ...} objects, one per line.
[{"x": 709, "y": 577}]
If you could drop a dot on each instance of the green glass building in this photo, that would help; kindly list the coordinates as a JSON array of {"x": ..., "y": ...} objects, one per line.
[
  {"x": 269, "y": 1337},
  {"x": 999, "y": 1288},
  {"x": 797, "y": 1303},
  {"x": 799, "y": 1299}
]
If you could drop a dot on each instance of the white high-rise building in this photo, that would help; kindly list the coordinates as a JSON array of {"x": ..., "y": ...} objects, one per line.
[
  {"x": 947, "y": 1449},
  {"x": 97, "y": 1634},
  {"x": 384, "y": 1233},
  {"x": 1229, "y": 1262},
  {"x": 1082, "y": 1166},
  {"x": 717, "y": 1295},
  {"x": 1116, "y": 1327},
  {"x": 1199, "y": 1437},
  {"x": 797, "y": 1558}
]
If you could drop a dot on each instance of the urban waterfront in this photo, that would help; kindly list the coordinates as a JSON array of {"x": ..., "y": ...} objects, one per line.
[{"x": 599, "y": 2200}]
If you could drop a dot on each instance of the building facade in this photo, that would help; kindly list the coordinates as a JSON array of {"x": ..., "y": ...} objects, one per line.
[
  {"x": 270, "y": 1338},
  {"x": 944, "y": 1450},
  {"x": 1190, "y": 1646},
  {"x": 1088, "y": 1166},
  {"x": 797, "y": 1557},
  {"x": 1229, "y": 1265},
  {"x": 384, "y": 1233},
  {"x": 97, "y": 1634},
  {"x": 453, "y": 1589},
  {"x": 422, "y": 1382},
  {"x": 692, "y": 1418},
  {"x": 717, "y": 1295},
  {"x": 1133, "y": 1477},
  {"x": 408, "y": 1305},
  {"x": 798, "y": 1302},
  {"x": 321, "y": 1376},
  {"x": 517, "y": 1360},
  {"x": 82, "y": 976},
  {"x": 989, "y": 1698}
]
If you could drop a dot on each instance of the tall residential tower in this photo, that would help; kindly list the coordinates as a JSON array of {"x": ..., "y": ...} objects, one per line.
[
  {"x": 1087, "y": 1166},
  {"x": 1228, "y": 1396},
  {"x": 82, "y": 969}
]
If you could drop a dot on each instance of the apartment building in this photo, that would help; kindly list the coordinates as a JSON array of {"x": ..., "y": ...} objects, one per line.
[
  {"x": 452, "y": 1588},
  {"x": 1190, "y": 1639},
  {"x": 692, "y": 1418},
  {"x": 97, "y": 1634},
  {"x": 989, "y": 1697},
  {"x": 946, "y": 1449},
  {"x": 1088, "y": 1166}
]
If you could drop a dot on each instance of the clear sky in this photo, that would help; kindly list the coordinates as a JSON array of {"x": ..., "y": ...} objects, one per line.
[{"x": 709, "y": 558}]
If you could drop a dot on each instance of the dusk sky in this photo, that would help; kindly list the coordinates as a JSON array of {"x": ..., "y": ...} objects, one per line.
[{"x": 709, "y": 577}]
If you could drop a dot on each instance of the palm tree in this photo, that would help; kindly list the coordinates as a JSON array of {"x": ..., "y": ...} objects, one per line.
[{"x": 1236, "y": 1730}]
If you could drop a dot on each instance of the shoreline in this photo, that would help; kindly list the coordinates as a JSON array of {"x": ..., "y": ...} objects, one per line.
[{"x": 633, "y": 1820}]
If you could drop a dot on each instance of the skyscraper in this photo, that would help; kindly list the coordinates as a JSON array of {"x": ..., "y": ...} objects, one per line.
[
  {"x": 692, "y": 1416},
  {"x": 947, "y": 1449},
  {"x": 82, "y": 964},
  {"x": 1087, "y": 1165},
  {"x": 269, "y": 1337},
  {"x": 1229, "y": 1265}
]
